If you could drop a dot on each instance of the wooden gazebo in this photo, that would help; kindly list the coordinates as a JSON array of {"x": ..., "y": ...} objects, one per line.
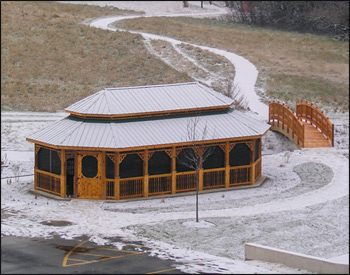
[{"x": 127, "y": 142}]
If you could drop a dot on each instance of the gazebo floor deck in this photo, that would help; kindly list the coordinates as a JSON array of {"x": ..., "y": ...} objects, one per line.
[{"x": 314, "y": 138}]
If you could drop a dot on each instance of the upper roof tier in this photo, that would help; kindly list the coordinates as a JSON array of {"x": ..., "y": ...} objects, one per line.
[{"x": 155, "y": 100}]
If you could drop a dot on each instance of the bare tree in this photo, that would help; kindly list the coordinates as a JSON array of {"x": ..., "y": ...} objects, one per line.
[
  {"x": 16, "y": 171},
  {"x": 234, "y": 91},
  {"x": 194, "y": 156},
  {"x": 185, "y": 4}
]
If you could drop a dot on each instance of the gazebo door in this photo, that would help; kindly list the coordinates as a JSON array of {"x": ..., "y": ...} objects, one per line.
[{"x": 89, "y": 183}]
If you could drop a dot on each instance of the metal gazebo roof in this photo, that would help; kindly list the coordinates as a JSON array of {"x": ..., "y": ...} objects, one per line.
[
  {"x": 149, "y": 100},
  {"x": 122, "y": 134}
]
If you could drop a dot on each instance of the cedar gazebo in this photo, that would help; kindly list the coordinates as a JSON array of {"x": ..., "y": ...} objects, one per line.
[{"x": 127, "y": 142}]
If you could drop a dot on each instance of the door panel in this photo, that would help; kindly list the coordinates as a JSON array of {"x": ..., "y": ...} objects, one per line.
[{"x": 89, "y": 183}]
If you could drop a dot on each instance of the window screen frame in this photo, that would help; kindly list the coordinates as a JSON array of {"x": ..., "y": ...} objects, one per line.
[
  {"x": 87, "y": 175},
  {"x": 243, "y": 163},
  {"x": 138, "y": 171},
  {"x": 207, "y": 165},
  {"x": 163, "y": 169},
  {"x": 257, "y": 147},
  {"x": 110, "y": 168},
  {"x": 180, "y": 168},
  {"x": 52, "y": 162}
]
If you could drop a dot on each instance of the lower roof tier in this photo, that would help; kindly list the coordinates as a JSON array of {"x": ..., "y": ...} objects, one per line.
[{"x": 72, "y": 132}]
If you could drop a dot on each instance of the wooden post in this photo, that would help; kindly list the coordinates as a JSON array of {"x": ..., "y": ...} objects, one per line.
[
  {"x": 227, "y": 165},
  {"x": 76, "y": 173},
  {"x": 311, "y": 115},
  {"x": 63, "y": 174},
  {"x": 200, "y": 174},
  {"x": 200, "y": 179},
  {"x": 117, "y": 178},
  {"x": 173, "y": 170},
  {"x": 103, "y": 175},
  {"x": 145, "y": 173},
  {"x": 252, "y": 164},
  {"x": 36, "y": 151},
  {"x": 35, "y": 179},
  {"x": 303, "y": 136}
]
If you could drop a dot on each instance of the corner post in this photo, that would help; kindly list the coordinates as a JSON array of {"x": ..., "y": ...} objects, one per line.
[
  {"x": 145, "y": 173},
  {"x": 200, "y": 174},
  {"x": 227, "y": 165},
  {"x": 117, "y": 178},
  {"x": 103, "y": 175},
  {"x": 173, "y": 170},
  {"x": 77, "y": 166},
  {"x": 36, "y": 151},
  {"x": 63, "y": 173},
  {"x": 252, "y": 171}
]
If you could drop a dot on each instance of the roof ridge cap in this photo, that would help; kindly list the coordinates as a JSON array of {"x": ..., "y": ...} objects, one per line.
[{"x": 152, "y": 86}]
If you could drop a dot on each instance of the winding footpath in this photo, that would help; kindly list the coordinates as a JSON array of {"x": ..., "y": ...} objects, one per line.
[
  {"x": 245, "y": 78},
  {"x": 246, "y": 73}
]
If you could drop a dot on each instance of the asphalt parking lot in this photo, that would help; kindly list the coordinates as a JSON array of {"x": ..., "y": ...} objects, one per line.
[{"x": 59, "y": 256}]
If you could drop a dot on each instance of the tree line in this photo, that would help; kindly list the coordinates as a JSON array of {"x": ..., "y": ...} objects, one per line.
[{"x": 319, "y": 17}]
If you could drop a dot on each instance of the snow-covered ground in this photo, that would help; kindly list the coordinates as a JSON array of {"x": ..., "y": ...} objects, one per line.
[{"x": 303, "y": 206}]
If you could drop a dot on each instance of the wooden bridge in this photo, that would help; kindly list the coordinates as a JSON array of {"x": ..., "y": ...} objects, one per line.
[{"x": 308, "y": 127}]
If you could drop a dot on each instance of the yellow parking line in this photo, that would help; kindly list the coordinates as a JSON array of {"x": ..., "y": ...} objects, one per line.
[
  {"x": 103, "y": 257},
  {"x": 90, "y": 254},
  {"x": 98, "y": 260},
  {"x": 104, "y": 248},
  {"x": 70, "y": 252},
  {"x": 161, "y": 271},
  {"x": 77, "y": 260}
]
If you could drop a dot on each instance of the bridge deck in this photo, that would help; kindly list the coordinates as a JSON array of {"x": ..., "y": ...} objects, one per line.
[{"x": 314, "y": 138}]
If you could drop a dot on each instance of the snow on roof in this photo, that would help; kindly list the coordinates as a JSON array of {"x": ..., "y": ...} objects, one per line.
[
  {"x": 121, "y": 134},
  {"x": 131, "y": 101}
]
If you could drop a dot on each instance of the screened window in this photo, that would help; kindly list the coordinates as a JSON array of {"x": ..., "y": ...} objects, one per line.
[
  {"x": 131, "y": 166},
  {"x": 216, "y": 158},
  {"x": 110, "y": 168},
  {"x": 240, "y": 155},
  {"x": 183, "y": 164},
  {"x": 89, "y": 166},
  {"x": 44, "y": 159},
  {"x": 49, "y": 161},
  {"x": 55, "y": 163},
  {"x": 256, "y": 149},
  {"x": 159, "y": 163}
]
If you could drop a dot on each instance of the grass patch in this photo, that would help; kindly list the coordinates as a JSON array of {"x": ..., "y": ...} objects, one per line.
[
  {"x": 50, "y": 60},
  {"x": 294, "y": 88},
  {"x": 213, "y": 62},
  {"x": 167, "y": 51},
  {"x": 308, "y": 58},
  {"x": 202, "y": 65}
]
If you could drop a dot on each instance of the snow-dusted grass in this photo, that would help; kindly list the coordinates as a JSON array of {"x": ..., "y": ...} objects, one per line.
[
  {"x": 296, "y": 66},
  {"x": 50, "y": 60},
  {"x": 302, "y": 207}
]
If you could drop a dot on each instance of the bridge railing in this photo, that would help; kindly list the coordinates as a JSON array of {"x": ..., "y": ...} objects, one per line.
[
  {"x": 308, "y": 112},
  {"x": 284, "y": 120}
]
